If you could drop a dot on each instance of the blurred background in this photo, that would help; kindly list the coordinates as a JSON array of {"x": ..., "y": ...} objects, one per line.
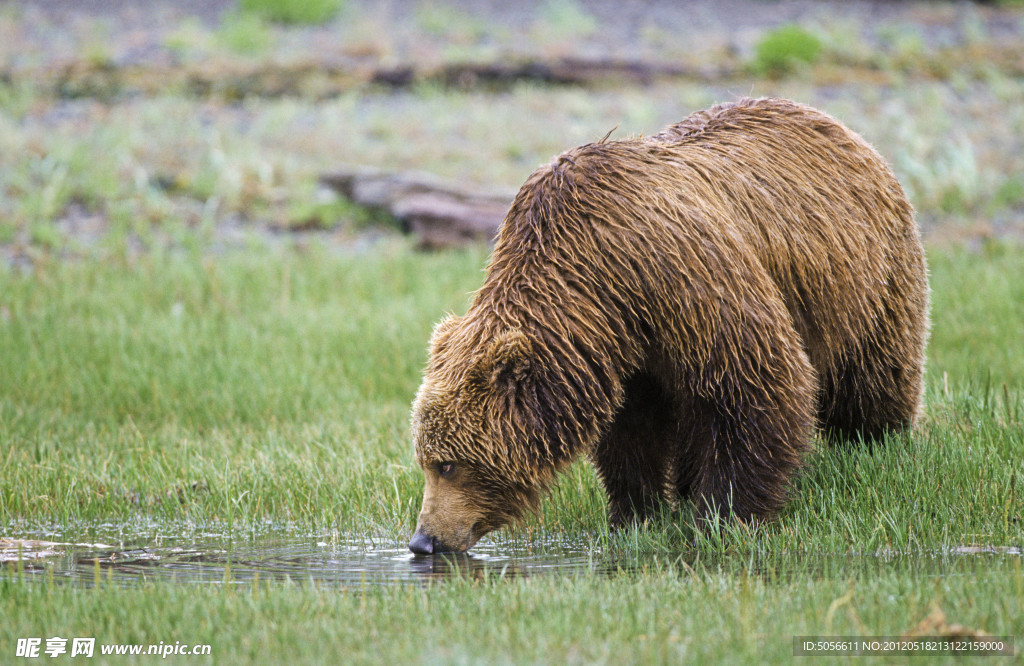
[{"x": 132, "y": 124}]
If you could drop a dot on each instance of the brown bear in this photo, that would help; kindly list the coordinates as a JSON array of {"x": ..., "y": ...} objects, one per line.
[{"x": 685, "y": 309}]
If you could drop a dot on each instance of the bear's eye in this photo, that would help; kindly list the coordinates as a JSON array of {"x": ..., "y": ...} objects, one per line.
[{"x": 445, "y": 469}]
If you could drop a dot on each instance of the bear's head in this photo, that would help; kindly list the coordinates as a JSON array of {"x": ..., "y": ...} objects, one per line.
[{"x": 479, "y": 435}]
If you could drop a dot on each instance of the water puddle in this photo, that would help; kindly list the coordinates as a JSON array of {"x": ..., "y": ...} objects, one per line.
[
  {"x": 126, "y": 557},
  {"x": 130, "y": 556}
]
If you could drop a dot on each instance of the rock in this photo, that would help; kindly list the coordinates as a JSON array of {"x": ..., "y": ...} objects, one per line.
[{"x": 440, "y": 214}]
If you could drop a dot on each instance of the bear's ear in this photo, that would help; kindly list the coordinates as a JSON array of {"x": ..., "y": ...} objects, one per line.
[{"x": 508, "y": 359}]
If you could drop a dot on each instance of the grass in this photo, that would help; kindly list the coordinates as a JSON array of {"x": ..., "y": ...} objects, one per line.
[
  {"x": 785, "y": 48},
  {"x": 664, "y": 616},
  {"x": 275, "y": 359},
  {"x": 282, "y": 384},
  {"x": 564, "y": 20},
  {"x": 976, "y": 340},
  {"x": 275, "y": 386},
  {"x": 293, "y": 11},
  {"x": 245, "y": 33}
]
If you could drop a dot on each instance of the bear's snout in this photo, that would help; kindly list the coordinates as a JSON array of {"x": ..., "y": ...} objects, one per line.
[{"x": 422, "y": 543}]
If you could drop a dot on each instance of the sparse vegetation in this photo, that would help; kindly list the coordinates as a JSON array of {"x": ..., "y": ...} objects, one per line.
[
  {"x": 453, "y": 23},
  {"x": 293, "y": 11},
  {"x": 785, "y": 48},
  {"x": 157, "y": 162},
  {"x": 245, "y": 33},
  {"x": 564, "y": 19}
]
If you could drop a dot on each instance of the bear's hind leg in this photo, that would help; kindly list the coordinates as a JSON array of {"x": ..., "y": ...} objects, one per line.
[
  {"x": 633, "y": 458},
  {"x": 866, "y": 397},
  {"x": 739, "y": 464},
  {"x": 876, "y": 386}
]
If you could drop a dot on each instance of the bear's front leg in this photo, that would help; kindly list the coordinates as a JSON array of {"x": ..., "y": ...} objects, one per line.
[{"x": 633, "y": 460}]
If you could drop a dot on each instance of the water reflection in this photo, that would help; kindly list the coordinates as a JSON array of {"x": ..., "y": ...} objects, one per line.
[{"x": 125, "y": 556}]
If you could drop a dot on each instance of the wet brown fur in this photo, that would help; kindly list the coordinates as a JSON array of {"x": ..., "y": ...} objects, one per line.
[{"x": 684, "y": 309}]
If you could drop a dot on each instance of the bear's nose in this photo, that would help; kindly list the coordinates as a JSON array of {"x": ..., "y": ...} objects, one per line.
[{"x": 422, "y": 544}]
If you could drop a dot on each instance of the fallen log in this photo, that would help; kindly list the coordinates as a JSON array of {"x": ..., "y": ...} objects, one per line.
[
  {"x": 324, "y": 79},
  {"x": 559, "y": 71},
  {"x": 438, "y": 213}
]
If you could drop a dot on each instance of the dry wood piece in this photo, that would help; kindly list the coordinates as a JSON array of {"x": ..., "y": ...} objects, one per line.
[{"x": 440, "y": 214}]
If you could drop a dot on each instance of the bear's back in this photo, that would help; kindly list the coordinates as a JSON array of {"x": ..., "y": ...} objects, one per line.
[{"x": 769, "y": 182}]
